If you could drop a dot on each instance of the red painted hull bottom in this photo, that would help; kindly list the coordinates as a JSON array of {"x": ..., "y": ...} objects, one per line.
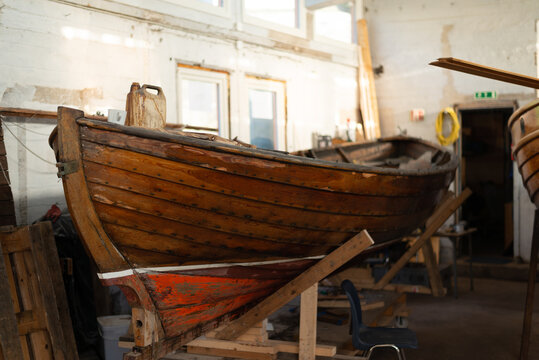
[{"x": 197, "y": 299}]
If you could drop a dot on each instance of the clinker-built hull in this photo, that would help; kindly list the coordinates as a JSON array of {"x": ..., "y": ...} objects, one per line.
[
  {"x": 196, "y": 231},
  {"x": 524, "y": 128}
]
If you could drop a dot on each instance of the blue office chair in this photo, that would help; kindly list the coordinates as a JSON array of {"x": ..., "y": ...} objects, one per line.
[{"x": 369, "y": 338}]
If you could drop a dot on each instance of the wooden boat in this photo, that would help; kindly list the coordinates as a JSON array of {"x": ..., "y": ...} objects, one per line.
[
  {"x": 197, "y": 231},
  {"x": 524, "y": 128}
]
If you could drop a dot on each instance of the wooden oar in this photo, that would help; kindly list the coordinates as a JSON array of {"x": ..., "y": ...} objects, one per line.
[{"x": 488, "y": 72}]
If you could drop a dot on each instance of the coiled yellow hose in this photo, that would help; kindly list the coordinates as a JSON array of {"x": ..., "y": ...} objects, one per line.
[{"x": 455, "y": 127}]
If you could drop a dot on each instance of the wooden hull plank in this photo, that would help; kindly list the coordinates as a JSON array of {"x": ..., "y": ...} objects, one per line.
[
  {"x": 362, "y": 182},
  {"x": 259, "y": 190},
  {"x": 241, "y": 207}
]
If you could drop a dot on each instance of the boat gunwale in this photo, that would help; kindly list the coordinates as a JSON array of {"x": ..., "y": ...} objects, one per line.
[
  {"x": 521, "y": 111},
  {"x": 449, "y": 166}
]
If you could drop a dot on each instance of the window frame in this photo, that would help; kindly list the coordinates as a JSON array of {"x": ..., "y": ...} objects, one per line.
[
  {"x": 220, "y": 78},
  {"x": 254, "y": 82},
  {"x": 334, "y": 42},
  {"x": 301, "y": 15}
]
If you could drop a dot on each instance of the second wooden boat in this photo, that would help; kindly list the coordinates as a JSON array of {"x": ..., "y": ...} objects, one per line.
[
  {"x": 524, "y": 128},
  {"x": 196, "y": 231}
]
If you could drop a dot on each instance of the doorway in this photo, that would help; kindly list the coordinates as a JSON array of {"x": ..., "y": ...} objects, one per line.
[{"x": 487, "y": 169}]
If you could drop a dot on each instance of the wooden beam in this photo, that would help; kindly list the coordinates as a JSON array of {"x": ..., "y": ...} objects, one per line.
[
  {"x": 307, "y": 323},
  {"x": 486, "y": 71},
  {"x": 268, "y": 347},
  {"x": 440, "y": 216},
  {"x": 315, "y": 273},
  {"x": 234, "y": 354},
  {"x": 435, "y": 279},
  {"x": 344, "y": 304},
  {"x": 368, "y": 103},
  {"x": 293, "y": 348},
  {"x": 29, "y": 113},
  {"x": 528, "y": 311}
]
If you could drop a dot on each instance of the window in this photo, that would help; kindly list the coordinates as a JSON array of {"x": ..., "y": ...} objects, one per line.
[
  {"x": 267, "y": 115},
  {"x": 335, "y": 22},
  {"x": 203, "y": 100},
  {"x": 262, "y": 117},
  {"x": 281, "y": 15}
]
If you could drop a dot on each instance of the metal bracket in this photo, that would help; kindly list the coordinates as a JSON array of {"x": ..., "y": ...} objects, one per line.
[{"x": 66, "y": 168}]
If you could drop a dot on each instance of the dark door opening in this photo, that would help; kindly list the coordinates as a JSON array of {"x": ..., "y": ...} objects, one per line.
[{"x": 487, "y": 170}]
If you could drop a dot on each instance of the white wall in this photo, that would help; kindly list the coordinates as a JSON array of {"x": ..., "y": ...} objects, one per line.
[
  {"x": 86, "y": 55},
  {"x": 406, "y": 35}
]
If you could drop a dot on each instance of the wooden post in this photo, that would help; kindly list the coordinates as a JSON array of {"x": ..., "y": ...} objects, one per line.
[
  {"x": 435, "y": 279},
  {"x": 307, "y": 323},
  {"x": 528, "y": 311},
  {"x": 439, "y": 217},
  {"x": 315, "y": 273},
  {"x": 366, "y": 90}
]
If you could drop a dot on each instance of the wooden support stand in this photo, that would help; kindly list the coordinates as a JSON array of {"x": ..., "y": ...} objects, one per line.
[
  {"x": 254, "y": 343},
  {"x": 441, "y": 214},
  {"x": 225, "y": 340},
  {"x": 528, "y": 311}
]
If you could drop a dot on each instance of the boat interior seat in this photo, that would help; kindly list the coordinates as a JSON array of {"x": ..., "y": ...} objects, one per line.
[{"x": 367, "y": 338}]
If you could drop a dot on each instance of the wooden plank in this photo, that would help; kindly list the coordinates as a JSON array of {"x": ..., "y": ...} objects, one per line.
[
  {"x": 344, "y": 303},
  {"x": 13, "y": 291},
  {"x": 317, "y": 272},
  {"x": 205, "y": 342},
  {"x": 486, "y": 71},
  {"x": 52, "y": 263},
  {"x": 528, "y": 311},
  {"x": 293, "y": 348},
  {"x": 441, "y": 216},
  {"x": 49, "y": 298},
  {"x": 269, "y": 347},
  {"x": 235, "y": 354},
  {"x": 435, "y": 279},
  {"x": 11, "y": 346},
  {"x": 28, "y": 290},
  {"x": 367, "y": 92},
  {"x": 40, "y": 340},
  {"x": 402, "y": 288},
  {"x": 256, "y": 334},
  {"x": 307, "y": 323},
  {"x": 29, "y": 113}
]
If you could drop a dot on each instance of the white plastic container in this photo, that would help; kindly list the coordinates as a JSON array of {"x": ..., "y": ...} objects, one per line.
[{"x": 110, "y": 329}]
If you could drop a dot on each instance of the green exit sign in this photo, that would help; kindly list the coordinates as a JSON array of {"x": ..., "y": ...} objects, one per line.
[{"x": 485, "y": 95}]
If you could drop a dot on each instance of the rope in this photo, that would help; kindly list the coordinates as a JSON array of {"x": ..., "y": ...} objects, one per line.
[
  {"x": 26, "y": 147},
  {"x": 455, "y": 127},
  {"x": 26, "y": 129}
]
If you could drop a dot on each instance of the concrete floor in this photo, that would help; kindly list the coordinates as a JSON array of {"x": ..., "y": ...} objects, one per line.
[{"x": 485, "y": 324}]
